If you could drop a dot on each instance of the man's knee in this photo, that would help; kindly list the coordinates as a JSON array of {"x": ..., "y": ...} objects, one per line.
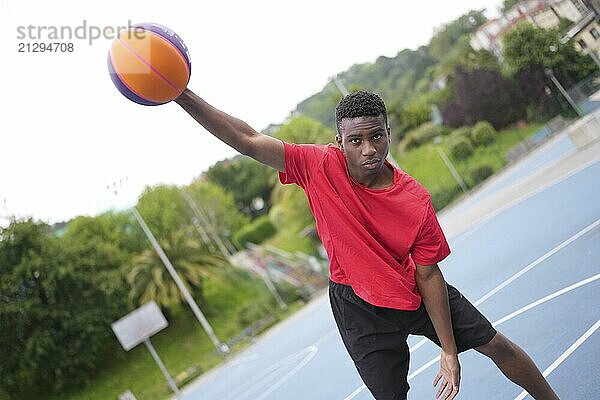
[{"x": 499, "y": 348}]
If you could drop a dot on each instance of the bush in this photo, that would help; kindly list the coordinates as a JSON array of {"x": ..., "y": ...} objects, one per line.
[
  {"x": 484, "y": 95},
  {"x": 420, "y": 136},
  {"x": 259, "y": 230},
  {"x": 462, "y": 132},
  {"x": 252, "y": 312},
  {"x": 461, "y": 148},
  {"x": 444, "y": 196},
  {"x": 482, "y": 133},
  {"x": 481, "y": 173}
]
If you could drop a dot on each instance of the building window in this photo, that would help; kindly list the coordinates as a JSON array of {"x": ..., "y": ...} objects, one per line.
[
  {"x": 594, "y": 32},
  {"x": 580, "y": 6},
  {"x": 582, "y": 44}
]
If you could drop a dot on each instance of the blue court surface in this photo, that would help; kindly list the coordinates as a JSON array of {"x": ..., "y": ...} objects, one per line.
[{"x": 533, "y": 269}]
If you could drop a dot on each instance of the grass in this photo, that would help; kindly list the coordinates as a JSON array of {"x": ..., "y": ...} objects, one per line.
[
  {"x": 425, "y": 163},
  {"x": 184, "y": 347}
]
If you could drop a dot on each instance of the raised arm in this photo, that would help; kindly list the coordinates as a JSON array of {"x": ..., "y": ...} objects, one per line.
[{"x": 233, "y": 131}]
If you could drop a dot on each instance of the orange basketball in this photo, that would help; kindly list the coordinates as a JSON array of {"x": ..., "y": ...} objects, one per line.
[{"x": 149, "y": 64}]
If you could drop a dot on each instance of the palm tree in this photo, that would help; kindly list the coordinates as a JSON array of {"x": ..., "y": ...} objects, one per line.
[{"x": 150, "y": 280}]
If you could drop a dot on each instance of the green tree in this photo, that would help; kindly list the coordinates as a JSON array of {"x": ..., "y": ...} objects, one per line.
[
  {"x": 247, "y": 180},
  {"x": 150, "y": 280},
  {"x": 164, "y": 209},
  {"x": 414, "y": 114},
  {"x": 453, "y": 31},
  {"x": 219, "y": 207},
  {"x": 107, "y": 240},
  {"x": 507, "y": 4},
  {"x": 56, "y": 312},
  {"x": 258, "y": 231},
  {"x": 481, "y": 59},
  {"x": 393, "y": 78},
  {"x": 305, "y": 130},
  {"x": 291, "y": 214},
  {"x": 526, "y": 46}
]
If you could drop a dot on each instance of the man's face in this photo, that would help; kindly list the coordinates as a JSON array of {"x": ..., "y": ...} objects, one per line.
[{"x": 365, "y": 141}]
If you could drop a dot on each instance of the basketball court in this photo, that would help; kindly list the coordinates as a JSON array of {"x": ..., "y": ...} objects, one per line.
[{"x": 525, "y": 250}]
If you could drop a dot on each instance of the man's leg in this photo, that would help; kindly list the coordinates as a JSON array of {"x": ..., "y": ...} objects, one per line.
[
  {"x": 377, "y": 347},
  {"x": 517, "y": 366}
]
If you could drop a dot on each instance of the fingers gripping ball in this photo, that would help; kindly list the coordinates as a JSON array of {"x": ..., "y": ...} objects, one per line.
[{"x": 149, "y": 64}]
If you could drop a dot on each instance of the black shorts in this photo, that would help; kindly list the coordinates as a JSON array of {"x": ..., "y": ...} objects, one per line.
[{"x": 375, "y": 337}]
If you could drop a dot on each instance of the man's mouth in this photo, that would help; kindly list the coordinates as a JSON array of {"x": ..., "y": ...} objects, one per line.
[{"x": 370, "y": 162}]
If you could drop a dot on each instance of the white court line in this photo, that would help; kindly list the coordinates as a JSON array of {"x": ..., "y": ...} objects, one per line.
[
  {"x": 312, "y": 352},
  {"x": 357, "y": 391},
  {"x": 524, "y": 270},
  {"x": 498, "y": 322},
  {"x": 538, "y": 261},
  {"x": 518, "y": 312},
  {"x": 564, "y": 355},
  {"x": 262, "y": 379},
  {"x": 547, "y": 298},
  {"x": 482, "y": 220}
]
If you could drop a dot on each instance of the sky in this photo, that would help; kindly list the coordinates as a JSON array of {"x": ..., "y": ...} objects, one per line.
[{"x": 67, "y": 134}]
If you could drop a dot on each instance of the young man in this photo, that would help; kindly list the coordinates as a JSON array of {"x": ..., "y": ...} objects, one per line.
[{"x": 384, "y": 242}]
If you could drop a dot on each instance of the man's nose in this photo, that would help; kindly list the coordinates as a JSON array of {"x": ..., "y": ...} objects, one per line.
[{"x": 368, "y": 148}]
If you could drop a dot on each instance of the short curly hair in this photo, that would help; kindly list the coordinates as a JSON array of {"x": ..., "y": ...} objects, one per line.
[{"x": 359, "y": 104}]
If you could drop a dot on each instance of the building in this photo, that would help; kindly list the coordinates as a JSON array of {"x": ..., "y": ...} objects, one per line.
[
  {"x": 542, "y": 13},
  {"x": 585, "y": 35}
]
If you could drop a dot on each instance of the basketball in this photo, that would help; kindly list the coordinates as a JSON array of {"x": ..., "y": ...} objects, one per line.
[{"x": 149, "y": 64}]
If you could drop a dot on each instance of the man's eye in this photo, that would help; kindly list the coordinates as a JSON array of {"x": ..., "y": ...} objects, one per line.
[
  {"x": 355, "y": 140},
  {"x": 377, "y": 136}
]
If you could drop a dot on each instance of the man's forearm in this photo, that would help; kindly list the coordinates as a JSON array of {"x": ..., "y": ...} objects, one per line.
[
  {"x": 233, "y": 131},
  {"x": 434, "y": 292}
]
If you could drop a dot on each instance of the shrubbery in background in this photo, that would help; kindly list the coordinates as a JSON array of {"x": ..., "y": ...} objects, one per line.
[
  {"x": 421, "y": 135},
  {"x": 481, "y": 173},
  {"x": 482, "y": 133},
  {"x": 461, "y": 147},
  {"x": 255, "y": 232}
]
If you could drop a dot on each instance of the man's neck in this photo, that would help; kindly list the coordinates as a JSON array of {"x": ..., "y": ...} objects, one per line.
[{"x": 383, "y": 180}]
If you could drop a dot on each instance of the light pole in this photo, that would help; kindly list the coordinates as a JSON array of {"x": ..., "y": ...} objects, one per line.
[
  {"x": 437, "y": 141},
  {"x": 221, "y": 347},
  {"x": 340, "y": 85},
  {"x": 594, "y": 57},
  {"x": 550, "y": 74},
  {"x": 200, "y": 216},
  {"x": 5, "y": 214}
]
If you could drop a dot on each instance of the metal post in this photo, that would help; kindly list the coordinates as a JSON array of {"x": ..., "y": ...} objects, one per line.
[
  {"x": 264, "y": 274},
  {"x": 595, "y": 58},
  {"x": 203, "y": 234},
  {"x": 221, "y": 347},
  {"x": 340, "y": 86},
  {"x": 162, "y": 368},
  {"x": 550, "y": 75},
  {"x": 211, "y": 230},
  {"x": 451, "y": 168}
]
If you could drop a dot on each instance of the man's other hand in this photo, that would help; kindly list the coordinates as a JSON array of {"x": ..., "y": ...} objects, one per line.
[{"x": 449, "y": 375}]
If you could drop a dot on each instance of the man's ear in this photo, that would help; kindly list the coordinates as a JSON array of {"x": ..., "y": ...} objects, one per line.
[
  {"x": 338, "y": 140},
  {"x": 389, "y": 134}
]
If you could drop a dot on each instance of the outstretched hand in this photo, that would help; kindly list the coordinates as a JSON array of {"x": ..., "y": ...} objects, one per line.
[{"x": 449, "y": 375}]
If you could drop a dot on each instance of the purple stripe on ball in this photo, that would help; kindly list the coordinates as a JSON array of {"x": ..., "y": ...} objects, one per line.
[
  {"x": 170, "y": 36},
  {"x": 124, "y": 89}
]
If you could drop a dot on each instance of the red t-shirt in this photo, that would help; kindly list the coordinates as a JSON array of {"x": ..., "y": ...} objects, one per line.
[{"x": 373, "y": 237}]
